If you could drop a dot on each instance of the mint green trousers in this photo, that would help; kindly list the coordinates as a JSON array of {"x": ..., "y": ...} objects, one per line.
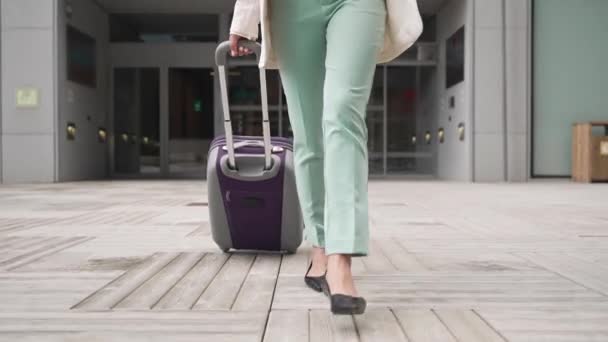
[{"x": 326, "y": 50}]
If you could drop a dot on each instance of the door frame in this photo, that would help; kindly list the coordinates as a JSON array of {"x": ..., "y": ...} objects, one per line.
[{"x": 162, "y": 56}]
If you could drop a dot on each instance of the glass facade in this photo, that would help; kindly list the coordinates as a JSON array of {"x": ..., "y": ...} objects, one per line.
[
  {"x": 391, "y": 114},
  {"x": 569, "y": 77},
  {"x": 402, "y": 96},
  {"x": 245, "y": 101}
]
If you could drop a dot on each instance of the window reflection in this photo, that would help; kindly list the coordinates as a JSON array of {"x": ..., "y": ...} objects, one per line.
[
  {"x": 246, "y": 104},
  {"x": 400, "y": 106},
  {"x": 190, "y": 119},
  {"x": 244, "y": 86},
  {"x": 376, "y": 97},
  {"x": 402, "y": 96},
  {"x": 250, "y": 122}
]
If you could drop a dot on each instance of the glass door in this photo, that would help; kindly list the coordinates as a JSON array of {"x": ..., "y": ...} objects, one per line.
[
  {"x": 401, "y": 89},
  {"x": 191, "y": 120},
  {"x": 136, "y": 138},
  {"x": 395, "y": 123}
]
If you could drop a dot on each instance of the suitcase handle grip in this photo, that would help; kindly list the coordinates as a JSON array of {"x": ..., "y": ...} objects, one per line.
[
  {"x": 220, "y": 58},
  {"x": 256, "y": 143},
  {"x": 221, "y": 52}
]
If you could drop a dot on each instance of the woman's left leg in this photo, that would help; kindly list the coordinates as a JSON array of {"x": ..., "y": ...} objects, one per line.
[
  {"x": 298, "y": 34},
  {"x": 355, "y": 34}
]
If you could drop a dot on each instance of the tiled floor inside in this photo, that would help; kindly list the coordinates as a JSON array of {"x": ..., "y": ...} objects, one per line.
[{"x": 134, "y": 261}]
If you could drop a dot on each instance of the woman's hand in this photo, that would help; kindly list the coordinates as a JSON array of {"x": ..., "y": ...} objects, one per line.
[{"x": 235, "y": 49}]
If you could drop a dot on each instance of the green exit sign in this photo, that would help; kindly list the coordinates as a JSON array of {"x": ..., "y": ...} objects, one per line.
[{"x": 198, "y": 106}]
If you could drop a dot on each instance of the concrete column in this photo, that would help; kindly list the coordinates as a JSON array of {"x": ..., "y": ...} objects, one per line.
[
  {"x": 489, "y": 89},
  {"x": 518, "y": 88},
  {"x": 29, "y": 61},
  {"x": 86, "y": 106},
  {"x": 501, "y": 90},
  {"x": 453, "y": 104}
]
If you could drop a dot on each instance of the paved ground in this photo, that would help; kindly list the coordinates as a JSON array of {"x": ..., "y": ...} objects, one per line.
[{"x": 134, "y": 261}]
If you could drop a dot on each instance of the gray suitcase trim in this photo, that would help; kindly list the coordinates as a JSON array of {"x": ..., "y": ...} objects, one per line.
[
  {"x": 292, "y": 224},
  {"x": 291, "y": 238},
  {"x": 220, "y": 231}
]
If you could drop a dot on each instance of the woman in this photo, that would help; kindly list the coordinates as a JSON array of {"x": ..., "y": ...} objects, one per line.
[{"x": 326, "y": 52}]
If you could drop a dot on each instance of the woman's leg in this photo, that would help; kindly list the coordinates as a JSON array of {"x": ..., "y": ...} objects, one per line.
[
  {"x": 355, "y": 33},
  {"x": 298, "y": 36}
]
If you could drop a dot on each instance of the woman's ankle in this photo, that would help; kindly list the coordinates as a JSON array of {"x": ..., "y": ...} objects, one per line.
[
  {"x": 339, "y": 274},
  {"x": 319, "y": 262},
  {"x": 340, "y": 261}
]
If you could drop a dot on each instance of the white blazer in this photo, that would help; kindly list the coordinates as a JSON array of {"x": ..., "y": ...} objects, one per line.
[{"x": 403, "y": 27}]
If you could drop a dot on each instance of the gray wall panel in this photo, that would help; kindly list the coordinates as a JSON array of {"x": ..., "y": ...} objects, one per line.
[
  {"x": 489, "y": 81},
  {"x": 28, "y": 55},
  {"x": 453, "y": 156},
  {"x": 518, "y": 157},
  {"x": 489, "y": 89},
  {"x": 27, "y": 158},
  {"x": 28, "y": 144},
  {"x": 517, "y": 67},
  {"x": 517, "y": 80},
  {"x": 488, "y": 13},
  {"x": 490, "y": 162},
  {"x": 85, "y": 157},
  {"x": 517, "y": 13},
  {"x": 27, "y": 13}
]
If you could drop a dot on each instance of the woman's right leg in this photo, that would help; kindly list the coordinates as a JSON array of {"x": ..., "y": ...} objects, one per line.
[{"x": 298, "y": 36}]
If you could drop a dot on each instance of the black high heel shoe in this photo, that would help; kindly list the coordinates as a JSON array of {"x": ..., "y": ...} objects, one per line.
[
  {"x": 316, "y": 283},
  {"x": 342, "y": 304}
]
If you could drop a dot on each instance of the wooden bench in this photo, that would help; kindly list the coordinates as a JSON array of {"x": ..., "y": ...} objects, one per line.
[{"x": 589, "y": 152}]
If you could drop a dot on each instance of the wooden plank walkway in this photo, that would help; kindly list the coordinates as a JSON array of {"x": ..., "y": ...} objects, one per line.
[{"x": 134, "y": 261}]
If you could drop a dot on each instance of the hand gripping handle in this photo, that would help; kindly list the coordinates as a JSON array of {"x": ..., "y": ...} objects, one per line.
[{"x": 221, "y": 52}]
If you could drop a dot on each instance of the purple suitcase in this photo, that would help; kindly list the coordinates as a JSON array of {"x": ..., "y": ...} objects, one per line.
[{"x": 253, "y": 202}]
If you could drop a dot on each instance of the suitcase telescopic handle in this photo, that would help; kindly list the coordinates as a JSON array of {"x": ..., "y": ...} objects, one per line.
[{"x": 221, "y": 53}]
